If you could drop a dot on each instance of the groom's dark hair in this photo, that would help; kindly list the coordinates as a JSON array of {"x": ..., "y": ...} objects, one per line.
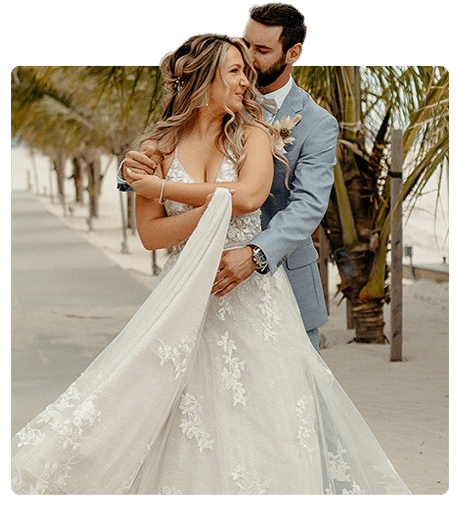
[{"x": 284, "y": 15}]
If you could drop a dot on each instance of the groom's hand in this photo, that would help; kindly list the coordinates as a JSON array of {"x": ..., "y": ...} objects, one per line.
[
  {"x": 235, "y": 266},
  {"x": 146, "y": 162}
]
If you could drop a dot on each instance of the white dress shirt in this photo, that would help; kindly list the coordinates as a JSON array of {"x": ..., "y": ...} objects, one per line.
[{"x": 279, "y": 95}]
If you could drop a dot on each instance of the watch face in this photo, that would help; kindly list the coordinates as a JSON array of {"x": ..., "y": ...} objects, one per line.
[{"x": 259, "y": 257}]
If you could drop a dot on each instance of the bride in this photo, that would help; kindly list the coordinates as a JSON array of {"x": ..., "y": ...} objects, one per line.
[{"x": 202, "y": 394}]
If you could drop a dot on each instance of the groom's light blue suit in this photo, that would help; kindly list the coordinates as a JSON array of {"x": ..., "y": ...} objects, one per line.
[{"x": 289, "y": 221}]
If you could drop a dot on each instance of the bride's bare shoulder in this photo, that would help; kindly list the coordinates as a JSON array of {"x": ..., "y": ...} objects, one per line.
[{"x": 257, "y": 134}]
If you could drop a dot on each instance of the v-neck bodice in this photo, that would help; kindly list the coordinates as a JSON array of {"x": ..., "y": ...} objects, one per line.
[
  {"x": 177, "y": 160},
  {"x": 227, "y": 173},
  {"x": 242, "y": 229}
]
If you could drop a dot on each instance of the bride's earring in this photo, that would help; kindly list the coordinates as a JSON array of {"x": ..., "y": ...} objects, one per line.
[{"x": 207, "y": 105}]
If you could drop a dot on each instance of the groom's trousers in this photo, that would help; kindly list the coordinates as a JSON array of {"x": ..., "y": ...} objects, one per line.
[{"x": 314, "y": 336}]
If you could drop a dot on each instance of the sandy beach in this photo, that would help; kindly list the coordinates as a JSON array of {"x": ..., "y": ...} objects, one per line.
[{"x": 406, "y": 404}]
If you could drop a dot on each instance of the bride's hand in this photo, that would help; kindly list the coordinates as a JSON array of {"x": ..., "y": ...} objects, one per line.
[
  {"x": 209, "y": 198},
  {"x": 207, "y": 201},
  {"x": 148, "y": 186}
]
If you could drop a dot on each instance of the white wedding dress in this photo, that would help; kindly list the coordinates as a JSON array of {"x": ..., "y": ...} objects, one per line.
[{"x": 199, "y": 395}]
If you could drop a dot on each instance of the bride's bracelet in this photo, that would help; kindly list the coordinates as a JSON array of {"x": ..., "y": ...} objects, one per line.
[{"x": 161, "y": 201}]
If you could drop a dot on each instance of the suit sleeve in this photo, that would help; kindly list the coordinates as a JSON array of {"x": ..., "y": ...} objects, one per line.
[
  {"x": 121, "y": 183},
  {"x": 313, "y": 178}
]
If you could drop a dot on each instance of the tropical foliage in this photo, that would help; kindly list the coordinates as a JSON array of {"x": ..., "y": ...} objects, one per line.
[
  {"x": 79, "y": 113},
  {"x": 369, "y": 102}
]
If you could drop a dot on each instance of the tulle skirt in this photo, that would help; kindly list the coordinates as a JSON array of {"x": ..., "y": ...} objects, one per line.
[{"x": 199, "y": 395}]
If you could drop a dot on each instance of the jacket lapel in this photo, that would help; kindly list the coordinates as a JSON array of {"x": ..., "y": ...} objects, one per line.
[{"x": 292, "y": 104}]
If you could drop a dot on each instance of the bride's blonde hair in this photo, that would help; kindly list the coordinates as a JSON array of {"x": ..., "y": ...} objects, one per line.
[{"x": 188, "y": 73}]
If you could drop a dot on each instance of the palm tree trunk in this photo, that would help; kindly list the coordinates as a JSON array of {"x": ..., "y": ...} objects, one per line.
[
  {"x": 350, "y": 214},
  {"x": 94, "y": 186},
  {"x": 78, "y": 178},
  {"x": 59, "y": 167},
  {"x": 369, "y": 322}
]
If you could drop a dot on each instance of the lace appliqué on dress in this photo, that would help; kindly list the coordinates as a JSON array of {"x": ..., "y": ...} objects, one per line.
[
  {"x": 339, "y": 471},
  {"x": 70, "y": 431},
  {"x": 387, "y": 471},
  {"x": 232, "y": 374},
  {"x": 242, "y": 229},
  {"x": 247, "y": 484},
  {"x": 338, "y": 467},
  {"x": 226, "y": 307},
  {"x": 269, "y": 308},
  {"x": 268, "y": 305},
  {"x": 51, "y": 481},
  {"x": 179, "y": 355},
  {"x": 306, "y": 427},
  {"x": 191, "y": 426}
]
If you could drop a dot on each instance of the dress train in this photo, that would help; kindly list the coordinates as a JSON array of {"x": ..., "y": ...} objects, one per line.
[{"x": 199, "y": 395}]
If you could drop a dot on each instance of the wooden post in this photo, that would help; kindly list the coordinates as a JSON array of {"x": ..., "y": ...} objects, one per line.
[
  {"x": 124, "y": 246},
  {"x": 396, "y": 245},
  {"x": 323, "y": 263}
]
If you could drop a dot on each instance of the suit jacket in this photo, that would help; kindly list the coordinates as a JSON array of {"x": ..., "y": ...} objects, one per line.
[{"x": 289, "y": 220}]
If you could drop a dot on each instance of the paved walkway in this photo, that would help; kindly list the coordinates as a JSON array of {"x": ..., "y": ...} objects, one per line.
[{"x": 68, "y": 302}]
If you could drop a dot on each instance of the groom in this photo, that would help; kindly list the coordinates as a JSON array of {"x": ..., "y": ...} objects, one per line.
[{"x": 275, "y": 34}]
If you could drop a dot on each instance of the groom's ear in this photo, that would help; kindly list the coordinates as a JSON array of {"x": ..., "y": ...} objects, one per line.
[{"x": 293, "y": 54}]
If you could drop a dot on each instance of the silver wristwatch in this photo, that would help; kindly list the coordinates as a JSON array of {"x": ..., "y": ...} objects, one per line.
[{"x": 259, "y": 258}]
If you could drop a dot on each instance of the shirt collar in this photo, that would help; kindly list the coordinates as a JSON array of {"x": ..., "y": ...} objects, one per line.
[{"x": 279, "y": 95}]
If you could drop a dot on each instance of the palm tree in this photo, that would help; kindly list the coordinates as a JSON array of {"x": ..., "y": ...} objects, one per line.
[
  {"x": 78, "y": 113},
  {"x": 368, "y": 102},
  {"x": 131, "y": 98}
]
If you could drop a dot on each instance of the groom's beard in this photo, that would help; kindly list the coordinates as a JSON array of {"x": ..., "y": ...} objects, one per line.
[{"x": 271, "y": 74}]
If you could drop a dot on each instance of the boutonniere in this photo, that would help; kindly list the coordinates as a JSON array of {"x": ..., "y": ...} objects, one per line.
[{"x": 283, "y": 131}]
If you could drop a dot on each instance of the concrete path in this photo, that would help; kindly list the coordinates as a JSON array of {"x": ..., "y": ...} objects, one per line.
[{"x": 68, "y": 303}]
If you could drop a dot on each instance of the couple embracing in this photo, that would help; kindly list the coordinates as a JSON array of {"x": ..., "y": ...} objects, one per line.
[{"x": 216, "y": 385}]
